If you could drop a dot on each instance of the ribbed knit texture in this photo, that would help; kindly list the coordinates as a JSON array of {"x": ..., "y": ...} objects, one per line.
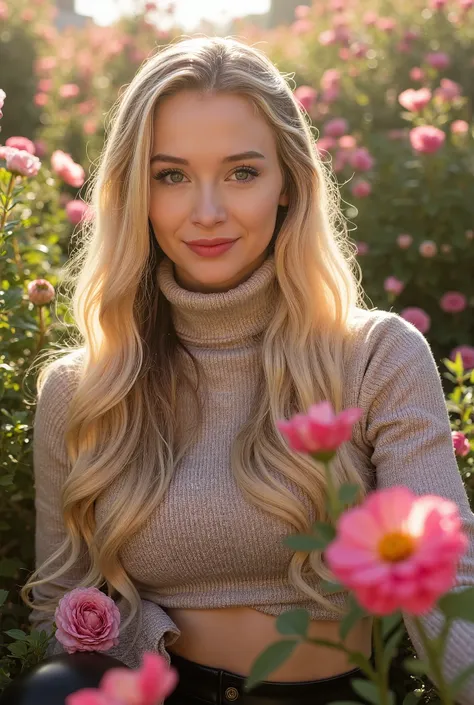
[{"x": 206, "y": 545}]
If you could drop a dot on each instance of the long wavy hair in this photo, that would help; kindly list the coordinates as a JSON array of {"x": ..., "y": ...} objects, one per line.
[{"x": 123, "y": 414}]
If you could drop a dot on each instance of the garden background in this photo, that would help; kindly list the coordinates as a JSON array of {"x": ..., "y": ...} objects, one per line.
[{"x": 389, "y": 88}]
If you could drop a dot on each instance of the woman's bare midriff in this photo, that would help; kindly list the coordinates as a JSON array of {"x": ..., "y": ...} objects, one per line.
[{"x": 232, "y": 638}]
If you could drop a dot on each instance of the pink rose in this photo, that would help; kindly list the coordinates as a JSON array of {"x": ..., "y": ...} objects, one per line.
[
  {"x": 428, "y": 249},
  {"x": 40, "y": 292},
  {"x": 392, "y": 285},
  {"x": 461, "y": 445},
  {"x": 453, "y": 302},
  {"x": 467, "y": 356},
  {"x": 18, "y": 161},
  {"x": 361, "y": 160},
  {"x": 320, "y": 430},
  {"x": 302, "y": 12},
  {"x": 77, "y": 211},
  {"x": 347, "y": 142},
  {"x": 362, "y": 248},
  {"x": 404, "y": 241},
  {"x": 330, "y": 79},
  {"x": 417, "y": 74},
  {"x": 22, "y": 143},
  {"x": 306, "y": 96},
  {"x": 69, "y": 90},
  {"x": 415, "y": 100},
  {"x": 327, "y": 38},
  {"x": 3, "y": 12},
  {"x": 3, "y": 95},
  {"x": 417, "y": 317},
  {"x": 427, "y": 139},
  {"x": 63, "y": 164},
  {"x": 386, "y": 24},
  {"x": 335, "y": 127},
  {"x": 438, "y": 4},
  {"x": 151, "y": 684},
  {"x": 361, "y": 189},
  {"x": 459, "y": 127},
  {"x": 40, "y": 99},
  {"x": 438, "y": 60},
  {"x": 87, "y": 620},
  {"x": 370, "y": 19},
  {"x": 448, "y": 90}
]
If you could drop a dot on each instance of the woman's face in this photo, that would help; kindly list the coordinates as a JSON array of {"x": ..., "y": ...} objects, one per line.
[{"x": 214, "y": 175}]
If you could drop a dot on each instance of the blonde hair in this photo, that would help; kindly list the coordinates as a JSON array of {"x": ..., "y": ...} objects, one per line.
[{"x": 122, "y": 416}]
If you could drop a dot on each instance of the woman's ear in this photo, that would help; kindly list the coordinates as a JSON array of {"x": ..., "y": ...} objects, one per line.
[{"x": 284, "y": 200}]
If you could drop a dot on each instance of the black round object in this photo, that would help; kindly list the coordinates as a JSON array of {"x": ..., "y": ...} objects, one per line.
[{"x": 49, "y": 682}]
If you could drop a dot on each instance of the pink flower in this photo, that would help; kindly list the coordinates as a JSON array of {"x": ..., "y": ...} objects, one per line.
[
  {"x": 404, "y": 241},
  {"x": 87, "y": 620},
  {"x": 347, "y": 142},
  {"x": 335, "y": 127},
  {"x": 45, "y": 64},
  {"x": 415, "y": 100},
  {"x": 63, "y": 164},
  {"x": 361, "y": 160},
  {"x": 438, "y": 4},
  {"x": 438, "y": 60},
  {"x": 427, "y": 139},
  {"x": 330, "y": 95},
  {"x": 69, "y": 90},
  {"x": 362, "y": 248},
  {"x": 40, "y": 148},
  {"x": 306, "y": 96},
  {"x": 302, "y": 12},
  {"x": 392, "y": 285},
  {"x": 466, "y": 4},
  {"x": 326, "y": 144},
  {"x": 301, "y": 26},
  {"x": 461, "y": 445},
  {"x": 386, "y": 24},
  {"x": 370, "y": 19},
  {"x": 459, "y": 127},
  {"x": 18, "y": 161},
  {"x": 448, "y": 91},
  {"x": 149, "y": 685},
  {"x": 3, "y": 95},
  {"x": 328, "y": 37},
  {"x": 40, "y": 292},
  {"x": 361, "y": 189},
  {"x": 45, "y": 85},
  {"x": 330, "y": 79},
  {"x": 467, "y": 356},
  {"x": 320, "y": 430},
  {"x": 398, "y": 551},
  {"x": 417, "y": 74},
  {"x": 428, "y": 249},
  {"x": 77, "y": 211},
  {"x": 417, "y": 317},
  {"x": 22, "y": 143},
  {"x": 453, "y": 302}
]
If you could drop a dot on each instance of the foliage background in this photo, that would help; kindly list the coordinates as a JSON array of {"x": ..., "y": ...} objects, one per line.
[{"x": 370, "y": 60}]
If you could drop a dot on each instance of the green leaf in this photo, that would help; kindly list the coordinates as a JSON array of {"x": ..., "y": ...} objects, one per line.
[
  {"x": 3, "y": 596},
  {"x": 293, "y": 623},
  {"x": 350, "y": 620},
  {"x": 304, "y": 542},
  {"x": 367, "y": 689},
  {"x": 268, "y": 661},
  {"x": 348, "y": 493},
  {"x": 459, "y": 604},
  {"x": 461, "y": 679},
  {"x": 17, "y": 634},
  {"x": 416, "y": 666},
  {"x": 389, "y": 623},
  {"x": 411, "y": 699},
  {"x": 18, "y": 649},
  {"x": 391, "y": 647},
  {"x": 324, "y": 531}
]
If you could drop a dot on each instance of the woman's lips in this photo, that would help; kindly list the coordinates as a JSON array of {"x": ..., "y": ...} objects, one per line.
[{"x": 211, "y": 250}]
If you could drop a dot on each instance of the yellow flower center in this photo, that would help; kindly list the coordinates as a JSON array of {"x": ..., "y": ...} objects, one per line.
[{"x": 396, "y": 546}]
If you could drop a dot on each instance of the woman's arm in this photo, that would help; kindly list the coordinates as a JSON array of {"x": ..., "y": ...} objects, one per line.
[
  {"x": 406, "y": 422},
  {"x": 51, "y": 468}
]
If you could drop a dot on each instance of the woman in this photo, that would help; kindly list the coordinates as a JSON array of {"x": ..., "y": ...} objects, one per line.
[{"x": 216, "y": 294}]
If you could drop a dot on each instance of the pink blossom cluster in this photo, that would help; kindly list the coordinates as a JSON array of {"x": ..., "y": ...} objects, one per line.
[
  {"x": 20, "y": 161},
  {"x": 65, "y": 167}
]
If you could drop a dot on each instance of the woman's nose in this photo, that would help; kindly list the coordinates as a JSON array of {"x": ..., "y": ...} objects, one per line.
[{"x": 208, "y": 209}]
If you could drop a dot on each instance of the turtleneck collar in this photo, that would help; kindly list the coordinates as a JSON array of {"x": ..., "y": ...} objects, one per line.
[{"x": 224, "y": 318}]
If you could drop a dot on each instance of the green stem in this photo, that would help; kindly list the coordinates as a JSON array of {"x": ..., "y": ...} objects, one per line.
[
  {"x": 379, "y": 662},
  {"x": 42, "y": 330},
  {"x": 334, "y": 504},
  {"x": 435, "y": 665},
  {"x": 368, "y": 670}
]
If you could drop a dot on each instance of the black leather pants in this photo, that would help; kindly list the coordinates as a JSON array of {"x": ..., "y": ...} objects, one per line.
[{"x": 201, "y": 685}]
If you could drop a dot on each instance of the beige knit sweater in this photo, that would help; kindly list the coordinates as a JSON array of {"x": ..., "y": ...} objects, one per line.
[{"x": 206, "y": 546}]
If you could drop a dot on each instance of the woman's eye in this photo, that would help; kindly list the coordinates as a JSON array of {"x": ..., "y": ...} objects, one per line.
[
  {"x": 245, "y": 174},
  {"x": 175, "y": 177}
]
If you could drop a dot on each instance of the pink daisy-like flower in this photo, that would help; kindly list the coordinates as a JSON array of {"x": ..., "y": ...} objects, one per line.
[{"x": 398, "y": 551}]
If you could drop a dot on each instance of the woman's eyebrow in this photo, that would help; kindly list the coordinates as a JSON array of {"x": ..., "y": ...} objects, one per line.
[{"x": 251, "y": 154}]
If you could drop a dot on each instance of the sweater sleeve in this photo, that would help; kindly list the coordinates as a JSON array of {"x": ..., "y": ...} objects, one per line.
[
  {"x": 51, "y": 468},
  {"x": 407, "y": 424}
]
